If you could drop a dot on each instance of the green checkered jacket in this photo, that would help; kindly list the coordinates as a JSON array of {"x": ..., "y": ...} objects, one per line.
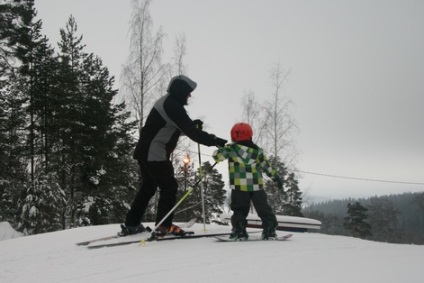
[{"x": 245, "y": 165}]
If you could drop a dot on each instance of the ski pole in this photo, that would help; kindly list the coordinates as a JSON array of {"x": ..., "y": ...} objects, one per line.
[
  {"x": 202, "y": 188},
  {"x": 190, "y": 190},
  {"x": 201, "y": 184}
]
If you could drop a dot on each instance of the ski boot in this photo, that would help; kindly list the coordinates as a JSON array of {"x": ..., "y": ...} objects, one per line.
[
  {"x": 131, "y": 230},
  {"x": 175, "y": 230},
  {"x": 239, "y": 232},
  {"x": 269, "y": 233}
]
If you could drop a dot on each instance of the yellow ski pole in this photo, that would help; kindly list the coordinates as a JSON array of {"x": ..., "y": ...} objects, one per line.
[{"x": 189, "y": 191}]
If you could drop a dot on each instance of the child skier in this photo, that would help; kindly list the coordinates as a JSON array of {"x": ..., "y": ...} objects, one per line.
[{"x": 246, "y": 162}]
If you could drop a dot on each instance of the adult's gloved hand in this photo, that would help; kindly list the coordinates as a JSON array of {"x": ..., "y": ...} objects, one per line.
[
  {"x": 198, "y": 124},
  {"x": 279, "y": 182},
  {"x": 218, "y": 141}
]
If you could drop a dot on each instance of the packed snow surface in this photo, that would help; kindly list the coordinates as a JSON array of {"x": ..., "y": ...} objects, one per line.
[{"x": 306, "y": 257}]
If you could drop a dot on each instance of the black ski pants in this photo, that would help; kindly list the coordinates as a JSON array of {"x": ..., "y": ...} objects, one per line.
[
  {"x": 240, "y": 205},
  {"x": 154, "y": 174}
]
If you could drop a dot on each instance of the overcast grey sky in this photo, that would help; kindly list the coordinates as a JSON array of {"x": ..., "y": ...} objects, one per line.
[{"x": 356, "y": 75}]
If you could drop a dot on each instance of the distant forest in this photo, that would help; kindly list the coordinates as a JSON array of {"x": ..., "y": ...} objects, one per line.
[{"x": 393, "y": 218}]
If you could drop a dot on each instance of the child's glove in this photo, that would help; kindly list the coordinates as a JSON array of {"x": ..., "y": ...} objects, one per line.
[{"x": 279, "y": 182}]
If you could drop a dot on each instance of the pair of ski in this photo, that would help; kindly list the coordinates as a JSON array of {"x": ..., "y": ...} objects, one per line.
[
  {"x": 147, "y": 237},
  {"x": 221, "y": 237}
]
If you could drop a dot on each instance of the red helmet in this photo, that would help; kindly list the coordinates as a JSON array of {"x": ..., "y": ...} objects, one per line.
[{"x": 241, "y": 132}]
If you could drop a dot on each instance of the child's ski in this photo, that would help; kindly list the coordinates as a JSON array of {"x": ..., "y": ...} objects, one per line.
[{"x": 279, "y": 238}]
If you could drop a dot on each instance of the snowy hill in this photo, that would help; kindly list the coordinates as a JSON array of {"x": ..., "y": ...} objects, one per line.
[
  {"x": 307, "y": 257},
  {"x": 7, "y": 232}
]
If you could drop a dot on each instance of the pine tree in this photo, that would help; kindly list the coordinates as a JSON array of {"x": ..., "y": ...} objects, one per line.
[
  {"x": 69, "y": 118},
  {"x": 356, "y": 221},
  {"x": 42, "y": 106},
  {"x": 95, "y": 156},
  {"x": 289, "y": 200},
  {"x": 107, "y": 154},
  {"x": 383, "y": 219},
  {"x": 293, "y": 197},
  {"x": 31, "y": 52},
  {"x": 12, "y": 110},
  {"x": 214, "y": 194},
  {"x": 41, "y": 206},
  {"x": 30, "y": 90},
  {"x": 36, "y": 83},
  {"x": 12, "y": 167},
  {"x": 57, "y": 119}
]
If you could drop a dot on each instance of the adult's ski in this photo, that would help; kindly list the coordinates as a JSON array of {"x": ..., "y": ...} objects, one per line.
[
  {"x": 148, "y": 229},
  {"x": 86, "y": 243},
  {"x": 142, "y": 240}
]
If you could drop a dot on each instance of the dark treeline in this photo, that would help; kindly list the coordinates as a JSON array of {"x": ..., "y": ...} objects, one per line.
[
  {"x": 65, "y": 148},
  {"x": 393, "y": 218}
]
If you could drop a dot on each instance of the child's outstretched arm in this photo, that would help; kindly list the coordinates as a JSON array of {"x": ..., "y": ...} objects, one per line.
[{"x": 221, "y": 154}]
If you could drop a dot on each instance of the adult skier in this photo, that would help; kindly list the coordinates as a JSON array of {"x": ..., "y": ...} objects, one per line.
[{"x": 165, "y": 123}]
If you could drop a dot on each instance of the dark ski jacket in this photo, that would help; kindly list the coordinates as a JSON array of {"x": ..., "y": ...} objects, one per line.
[{"x": 167, "y": 120}]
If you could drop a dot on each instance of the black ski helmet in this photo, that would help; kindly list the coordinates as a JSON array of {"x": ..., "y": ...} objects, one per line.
[{"x": 180, "y": 87}]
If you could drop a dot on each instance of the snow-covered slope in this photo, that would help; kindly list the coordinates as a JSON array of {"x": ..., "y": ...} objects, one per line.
[
  {"x": 306, "y": 257},
  {"x": 7, "y": 232}
]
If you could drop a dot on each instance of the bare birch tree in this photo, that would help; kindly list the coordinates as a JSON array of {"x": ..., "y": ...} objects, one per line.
[
  {"x": 179, "y": 68},
  {"x": 252, "y": 114},
  {"x": 271, "y": 120},
  {"x": 180, "y": 52},
  {"x": 279, "y": 124},
  {"x": 144, "y": 71},
  {"x": 273, "y": 130}
]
